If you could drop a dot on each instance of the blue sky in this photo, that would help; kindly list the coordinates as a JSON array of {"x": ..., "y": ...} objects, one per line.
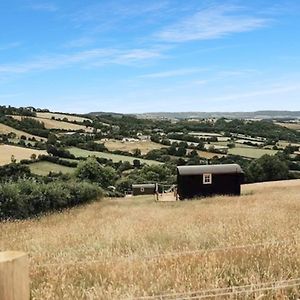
[{"x": 144, "y": 56}]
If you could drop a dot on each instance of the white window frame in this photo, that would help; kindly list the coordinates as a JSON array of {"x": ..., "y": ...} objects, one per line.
[
  {"x": 207, "y": 178},
  {"x": 142, "y": 190}
]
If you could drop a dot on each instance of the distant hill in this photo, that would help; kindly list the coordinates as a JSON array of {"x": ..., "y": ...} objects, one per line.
[
  {"x": 101, "y": 113},
  {"x": 262, "y": 114}
]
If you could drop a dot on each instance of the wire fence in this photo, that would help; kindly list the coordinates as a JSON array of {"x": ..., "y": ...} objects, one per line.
[
  {"x": 221, "y": 293},
  {"x": 245, "y": 290}
]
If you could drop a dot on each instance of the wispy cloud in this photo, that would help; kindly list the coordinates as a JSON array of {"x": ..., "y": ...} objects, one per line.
[
  {"x": 79, "y": 43},
  {"x": 94, "y": 57},
  {"x": 211, "y": 23},
  {"x": 137, "y": 55},
  {"x": 43, "y": 6},
  {"x": 9, "y": 46},
  {"x": 119, "y": 10},
  {"x": 272, "y": 90},
  {"x": 172, "y": 73}
]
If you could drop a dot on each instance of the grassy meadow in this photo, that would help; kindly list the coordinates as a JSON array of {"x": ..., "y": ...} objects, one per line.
[
  {"x": 251, "y": 152},
  {"x": 44, "y": 167},
  {"x": 114, "y": 157},
  {"x": 295, "y": 126},
  {"x": 133, "y": 247}
]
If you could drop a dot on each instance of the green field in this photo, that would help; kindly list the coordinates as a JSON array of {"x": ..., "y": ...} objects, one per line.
[
  {"x": 251, "y": 152},
  {"x": 114, "y": 157},
  {"x": 44, "y": 167}
]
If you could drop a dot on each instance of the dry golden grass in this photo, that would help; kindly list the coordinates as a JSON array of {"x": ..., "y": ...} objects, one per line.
[
  {"x": 111, "y": 249},
  {"x": 6, "y": 151},
  {"x": 144, "y": 146},
  {"x": 295, "y": 126},
  {"x": 45, "y": 115},
  {"x": 7, "y": 129},
  {"x": 54, "y": 124}
]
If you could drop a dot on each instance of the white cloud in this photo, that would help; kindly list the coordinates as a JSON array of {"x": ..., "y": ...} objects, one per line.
[
  {"x": 79, "y": 43},
  {"x": 211, "y": 23},
  {"x": 43, "y": 6},
  {"x": 91, "y": 58},
  {"x": 172, "y": 73},
  {"x": 9, "y": 46},
  {"x": 273, "y": 90}
]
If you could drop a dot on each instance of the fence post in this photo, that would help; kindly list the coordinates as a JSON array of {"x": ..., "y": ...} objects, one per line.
[{"x": 14, "y": 276}]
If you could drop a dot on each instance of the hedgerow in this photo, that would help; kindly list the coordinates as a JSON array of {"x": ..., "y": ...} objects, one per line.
[{"x": 27, "y": 197}]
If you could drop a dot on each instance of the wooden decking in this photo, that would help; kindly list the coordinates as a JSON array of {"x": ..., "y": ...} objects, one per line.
[{"x": 166, "y": 197}]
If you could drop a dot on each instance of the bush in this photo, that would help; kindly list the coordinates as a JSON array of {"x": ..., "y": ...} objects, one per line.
[
  {"x": 57, "y": 160},
  {"x": 267, "y": 168},
  {"x": 92, "y": 171},
  {"x": 27, "y": 198},
  {"x": 13, "y": 172}
]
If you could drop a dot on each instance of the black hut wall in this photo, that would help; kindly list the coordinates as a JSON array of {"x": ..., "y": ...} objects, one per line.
[{"x": 190, "y": 186}]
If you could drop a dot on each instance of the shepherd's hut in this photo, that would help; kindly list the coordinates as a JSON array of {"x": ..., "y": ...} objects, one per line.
[{"x": 207, "y": 180}]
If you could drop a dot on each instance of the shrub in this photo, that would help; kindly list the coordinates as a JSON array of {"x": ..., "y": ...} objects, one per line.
[
  {"x": 26, "y": 198},
  {"x": 93, "y": 171}
]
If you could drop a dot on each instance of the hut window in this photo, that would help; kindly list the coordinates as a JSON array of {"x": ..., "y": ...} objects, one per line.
[
  {"x": 207, "y": 178},
  {"x": 142, "y": 190}
]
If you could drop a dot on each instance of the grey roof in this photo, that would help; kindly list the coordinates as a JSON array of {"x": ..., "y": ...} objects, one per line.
[
  {"x": 145, "y": 185},
  {"x": 213, "y": 169}
]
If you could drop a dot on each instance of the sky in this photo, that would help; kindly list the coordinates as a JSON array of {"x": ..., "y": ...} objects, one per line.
[{"x": 134, "y": 56}]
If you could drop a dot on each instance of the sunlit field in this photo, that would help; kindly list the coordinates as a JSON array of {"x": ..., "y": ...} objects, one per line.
[
  {"x": 144, "y": 146},
  {"x": 4, "y": 129},
  {"x": 19, "y": 153},
  {"x": 133, "y": 247},
  {"x": 44, "y": 167}
]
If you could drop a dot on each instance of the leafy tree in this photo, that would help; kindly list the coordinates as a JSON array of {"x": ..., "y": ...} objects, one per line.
[
  {"x": 52, "y": 139},
  {"x": 137, "y": 152},
  {"x": 92, "y": 171},
  {"x": 136, "y": 163},
  {"x": 124, "y": 184},
  {"x": 267, "y": 168}
]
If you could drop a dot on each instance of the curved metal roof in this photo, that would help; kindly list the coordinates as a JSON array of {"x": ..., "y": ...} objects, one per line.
[
  {"x": 213, "y": 169},
  {"x": 145, "y": 185}
]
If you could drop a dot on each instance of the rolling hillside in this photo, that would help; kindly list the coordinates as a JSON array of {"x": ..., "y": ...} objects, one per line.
[{"x": 135, "y": 247}]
